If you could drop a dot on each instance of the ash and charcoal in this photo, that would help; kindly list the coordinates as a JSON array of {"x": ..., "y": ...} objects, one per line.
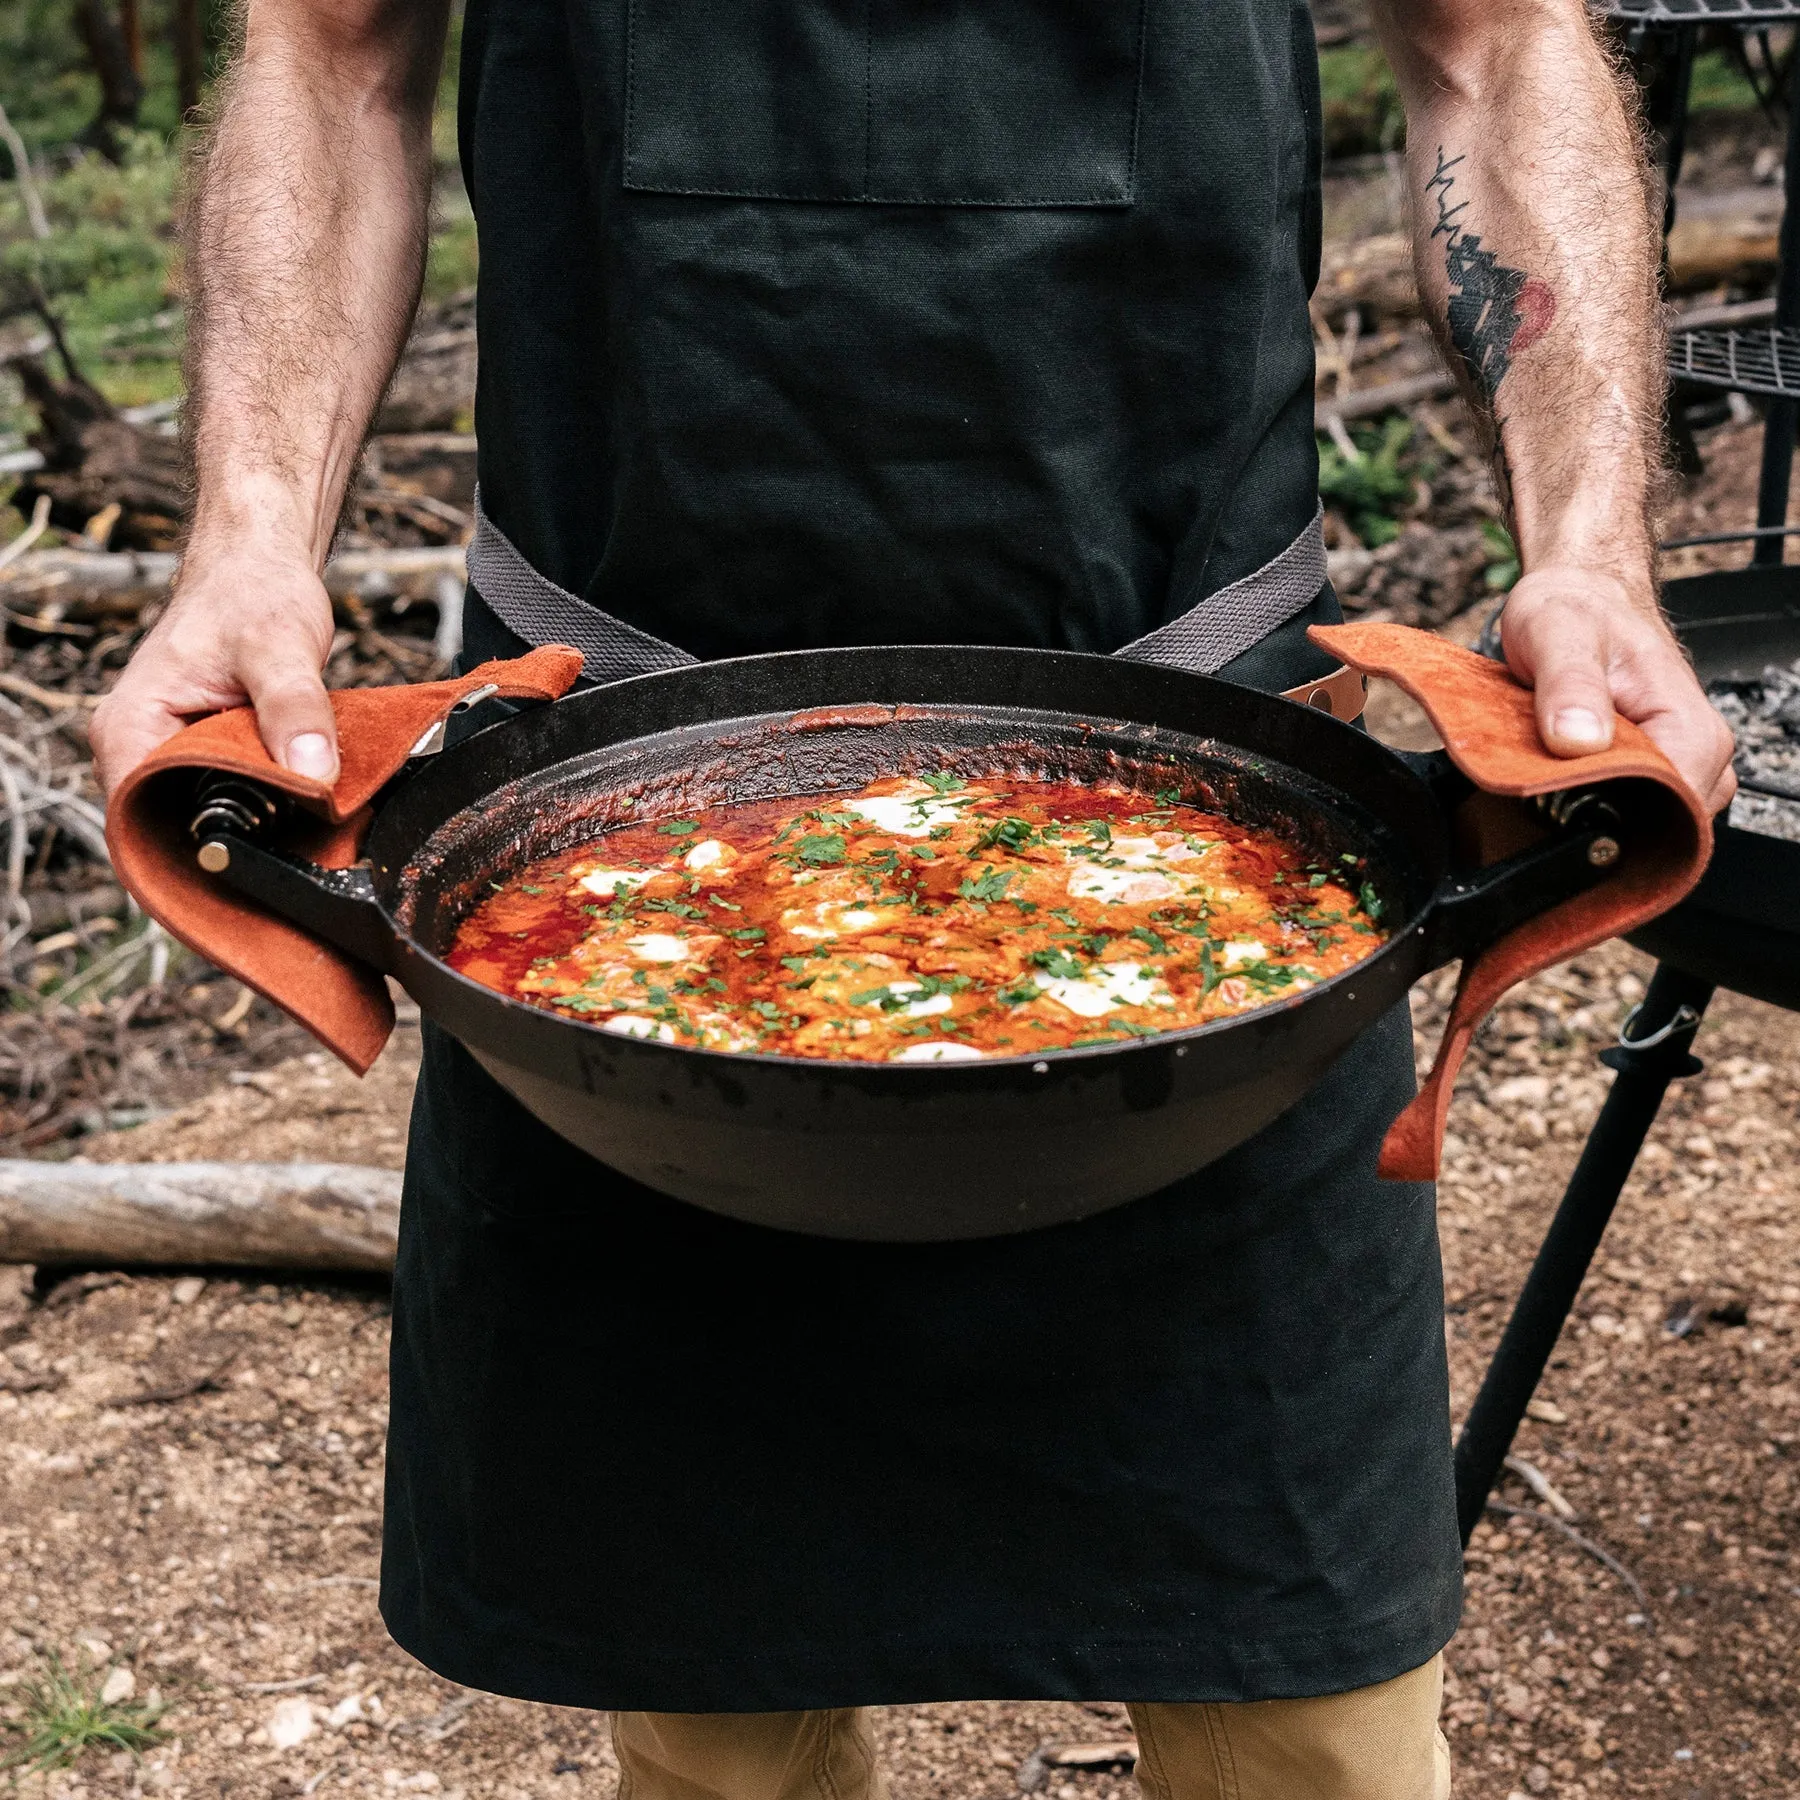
[{"x": 1765, "y": 717}]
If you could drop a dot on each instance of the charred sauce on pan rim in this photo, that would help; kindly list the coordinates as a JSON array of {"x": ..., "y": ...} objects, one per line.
[{"x": 922, "y": 919}]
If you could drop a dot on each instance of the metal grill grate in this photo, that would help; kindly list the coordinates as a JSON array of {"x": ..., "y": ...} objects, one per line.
[
  {"x": 1701, "y": 12},
  {"x": 1764, "y": 361}
]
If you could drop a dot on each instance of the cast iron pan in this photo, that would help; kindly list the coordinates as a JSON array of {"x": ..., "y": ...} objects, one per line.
[{"x": 913, "y": 1151}]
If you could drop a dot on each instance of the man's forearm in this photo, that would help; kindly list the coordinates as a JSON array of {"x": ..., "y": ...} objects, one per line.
[
  {"x": 306, "y": 248},
  {"x": 1536, "y": 257}
]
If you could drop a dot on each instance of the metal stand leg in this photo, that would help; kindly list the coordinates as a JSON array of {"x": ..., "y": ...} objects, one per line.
[
  {"x": 1780, "y": 419},
  {"x": 1668, "y": 111},
  {"x": 1653, "y": 1050}
]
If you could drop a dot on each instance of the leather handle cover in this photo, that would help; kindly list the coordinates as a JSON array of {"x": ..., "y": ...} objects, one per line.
[
  {"x": 1489, "y": 728},
  {"x": 344, "y": 1003}
]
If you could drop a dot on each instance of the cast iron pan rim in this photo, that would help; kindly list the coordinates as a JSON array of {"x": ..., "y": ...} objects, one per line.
[{"x": 972, "y": 1070}]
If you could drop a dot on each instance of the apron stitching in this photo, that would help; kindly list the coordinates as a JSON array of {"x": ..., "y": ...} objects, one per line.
[
  {"x": 1137, "y": 102},
  {"x": 868, "y": 94},
  {"x": 631, "y": 37}
]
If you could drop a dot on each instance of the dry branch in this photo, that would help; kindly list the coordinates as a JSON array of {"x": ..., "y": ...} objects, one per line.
[
  {"x": 23, "y": 174},
  {"x": 250, "y": 1215},
  {"x": 1598, "y": 1551},
  {"x": 85, "y": 586},
  {"x": 1390, "y": 396}
]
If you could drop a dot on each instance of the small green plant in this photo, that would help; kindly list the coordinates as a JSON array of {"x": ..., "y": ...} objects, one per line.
[
  {"x": 1503, "y": 568},
  {"x": 1372, "y": 487},
  {"x": 62, "y": 1713}
]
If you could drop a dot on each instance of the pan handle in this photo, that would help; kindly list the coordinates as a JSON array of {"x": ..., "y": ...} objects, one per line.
[
  {"x": 1475, "y": 908},
  {"x": 337, "y": 905}
]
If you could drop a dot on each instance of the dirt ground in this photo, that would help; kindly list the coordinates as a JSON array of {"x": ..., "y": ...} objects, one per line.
[{"x": 223, "y": 1547}]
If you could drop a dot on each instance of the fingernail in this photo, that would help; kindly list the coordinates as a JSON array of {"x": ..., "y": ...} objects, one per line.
[
  {"x": 1576, "y": 725},
  {"x": 310, "y": 754}
]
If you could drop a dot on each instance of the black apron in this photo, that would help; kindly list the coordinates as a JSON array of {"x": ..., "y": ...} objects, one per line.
[{"x": 911, "y": 322}]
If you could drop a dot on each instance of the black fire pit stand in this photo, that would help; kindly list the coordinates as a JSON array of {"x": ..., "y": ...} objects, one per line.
[{"x": 1653, "y": 1050}]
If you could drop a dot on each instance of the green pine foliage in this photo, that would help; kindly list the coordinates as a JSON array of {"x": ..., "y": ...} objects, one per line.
[{"x": 1371, "y": 489}]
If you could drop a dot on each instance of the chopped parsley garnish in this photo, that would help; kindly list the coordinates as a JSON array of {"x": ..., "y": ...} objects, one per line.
[
  {"x": 1151, "y": 942},
  {"x": 1370, "y": 901},
  {"x": 1059, "y": 964},
  {"x": 924, "y": 987},
  {"x": 821, "y": 850},
  {"x": 1009, "y": 834},
  {"x": 1267, "y": 977},
  {"x": 678, "y": 828},
  {"x": 1209, "y": 970},
  {"x": 989, "y": 885},
  {"x": 943, "y": 782}
]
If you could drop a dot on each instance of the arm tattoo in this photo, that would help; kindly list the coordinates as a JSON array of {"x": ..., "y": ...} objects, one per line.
[{"x": 1494, "y": 312}]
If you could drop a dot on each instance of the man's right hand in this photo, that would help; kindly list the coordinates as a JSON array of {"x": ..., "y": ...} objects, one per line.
[
  {"x": 242, "y": 628},
  {"x": 306, "y": 244}
]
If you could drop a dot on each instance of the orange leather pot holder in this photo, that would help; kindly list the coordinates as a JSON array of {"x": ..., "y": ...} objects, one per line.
[
  {"x": 1487, "y": 722},
  {"x": 340, "y": 1001}
]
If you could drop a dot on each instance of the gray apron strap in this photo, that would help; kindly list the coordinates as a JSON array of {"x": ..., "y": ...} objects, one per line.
[
  {"x": 1204, "y": 639},
  {"x": 1227, "y": 623},
  {"x": 536, "y": 609}
]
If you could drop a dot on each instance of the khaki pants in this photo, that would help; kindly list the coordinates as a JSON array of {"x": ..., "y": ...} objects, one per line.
[{"x": 1374, "y": 1743}]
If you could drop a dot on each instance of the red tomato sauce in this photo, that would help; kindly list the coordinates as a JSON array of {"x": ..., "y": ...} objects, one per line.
[{"x": 931, "y": 919}]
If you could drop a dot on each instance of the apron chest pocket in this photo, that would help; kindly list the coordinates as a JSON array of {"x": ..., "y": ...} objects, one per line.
[{"x": 901, "y": 102}]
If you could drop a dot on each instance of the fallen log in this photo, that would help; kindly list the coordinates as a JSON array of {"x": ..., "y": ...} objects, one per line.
[
  {"x": 45, "y": 588},
  {"x": 247, "y": 1215},
  {"x": 1725, "y": 239},
  {"x": 1730, "y": 239}
]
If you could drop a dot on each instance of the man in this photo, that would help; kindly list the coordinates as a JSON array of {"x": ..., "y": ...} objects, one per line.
[{"x": 802, "y": 324}]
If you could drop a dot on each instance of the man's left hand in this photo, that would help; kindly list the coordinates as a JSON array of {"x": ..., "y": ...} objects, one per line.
[{"x": 1589, "y": 646}]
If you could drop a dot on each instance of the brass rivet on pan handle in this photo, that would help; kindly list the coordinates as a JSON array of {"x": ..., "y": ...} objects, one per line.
[{"x": 214, "y": 856}]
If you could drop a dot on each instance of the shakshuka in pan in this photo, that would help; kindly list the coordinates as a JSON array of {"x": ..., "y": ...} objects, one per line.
[{"x": 922, "y": 919}]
